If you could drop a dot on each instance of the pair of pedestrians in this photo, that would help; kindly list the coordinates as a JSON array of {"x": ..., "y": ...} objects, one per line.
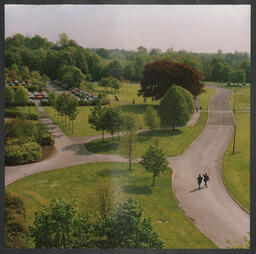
[{"x": 200, "y": 179}]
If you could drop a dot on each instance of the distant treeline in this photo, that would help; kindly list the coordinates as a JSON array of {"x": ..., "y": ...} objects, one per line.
[{"x": 54, "y": 59}]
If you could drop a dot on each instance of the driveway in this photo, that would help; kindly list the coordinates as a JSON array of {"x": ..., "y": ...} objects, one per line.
[{"x": 212, "y": 210}]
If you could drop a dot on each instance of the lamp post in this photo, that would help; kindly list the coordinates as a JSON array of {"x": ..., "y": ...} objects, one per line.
[
  {"x": 234, "y": 141},
  {"x": 234, "y": 106}
]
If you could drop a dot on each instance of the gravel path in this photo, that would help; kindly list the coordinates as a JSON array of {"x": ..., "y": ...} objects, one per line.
[{"x": 213, "y": 210}]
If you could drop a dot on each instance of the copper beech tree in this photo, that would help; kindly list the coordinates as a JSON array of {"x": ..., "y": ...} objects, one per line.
[{"x": 159, "y": 76}]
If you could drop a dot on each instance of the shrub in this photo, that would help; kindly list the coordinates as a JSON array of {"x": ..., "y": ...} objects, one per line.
[
  {"x": 105, "y": 101},
  {"x": 28, "y": 103},
  {"x": 45, "y": 103},
  {"x": 47, "y": 140},
  {"x": 22, "y": 154},
  {"x": 15, "y": 226},
  {"x": 14, "y": 114}
]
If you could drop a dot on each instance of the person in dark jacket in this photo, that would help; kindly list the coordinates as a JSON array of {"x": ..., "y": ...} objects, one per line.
[
  {"x": 199, "y": 181},
  {"x": 206, "y": 179}
]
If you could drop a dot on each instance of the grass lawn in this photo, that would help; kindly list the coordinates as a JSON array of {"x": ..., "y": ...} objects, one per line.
[
  {"x": 81, "y": 125},
  {"x": 241, "y": 96},
  {"x": 23, "y": 109},
  {"x": 173, "y": 142},
  {"x": 205, "y": 97},
  {"x": 83, "y": 128},
  {"x": 236, "y": 168},
  {"x": 79, "y": 181},
  {"x": 126, "y": 94}
]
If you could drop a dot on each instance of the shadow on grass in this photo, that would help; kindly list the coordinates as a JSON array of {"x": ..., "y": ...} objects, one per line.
[
  {"x": 112, "y": 172},
  {"x": 159, "y": 133},
  {"x": 99, "y": 147},
  {"x": 135, "y": 189}
]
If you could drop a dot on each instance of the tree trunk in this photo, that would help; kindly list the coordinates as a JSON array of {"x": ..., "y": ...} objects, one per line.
[
  {"x": 69, "y": 122},
  {"x": 72, "y": 127},
  {"x": 113, "y": 140},
  {"x": 102, "y": 140},
  {"x": 173, "y": 126},
  {"x": 154, "y": 176}
]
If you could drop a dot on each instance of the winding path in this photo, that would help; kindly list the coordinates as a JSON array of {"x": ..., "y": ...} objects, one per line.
[{"x": 213, "y": 210}]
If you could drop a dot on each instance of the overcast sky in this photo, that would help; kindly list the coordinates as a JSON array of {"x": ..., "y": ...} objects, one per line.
[{"x": 197, "y": 28}]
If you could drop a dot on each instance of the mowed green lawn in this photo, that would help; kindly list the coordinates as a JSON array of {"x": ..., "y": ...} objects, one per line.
[
  {"x": 83, "y": 128},
  {"x": 126, "y": 94},
  {"x": 173, "y": 142},
  {"x": 205, "y": 97},
  {"x": 23, "y": 109},
  {"x": 78, "y": 182},
  {"x": 241, "y": 96},
  {"x": 236, "y": 168}
]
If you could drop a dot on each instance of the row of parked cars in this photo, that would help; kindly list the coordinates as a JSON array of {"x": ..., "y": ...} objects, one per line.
[{"x": 78, "y": 93}]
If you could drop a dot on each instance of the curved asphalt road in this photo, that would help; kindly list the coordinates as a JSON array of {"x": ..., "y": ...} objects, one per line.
[{"x": 213, "y": 211}]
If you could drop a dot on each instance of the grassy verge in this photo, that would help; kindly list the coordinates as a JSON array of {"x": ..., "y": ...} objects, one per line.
[
  {"x": 173, "y": 142},
  {"x": 236, "y": 168},
  {"x": 240, "y": 98},
  {"x": 79, "y": 181},
  {"x": 205, "y": 97}
]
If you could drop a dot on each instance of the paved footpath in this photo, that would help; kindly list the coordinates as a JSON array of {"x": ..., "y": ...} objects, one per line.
[{"x": 213, "y": 211}]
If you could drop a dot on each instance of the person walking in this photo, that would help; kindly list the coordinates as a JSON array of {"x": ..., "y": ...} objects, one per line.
[
  {"x": 206, "y": 179},
  {"x": 199, "y": 181}
]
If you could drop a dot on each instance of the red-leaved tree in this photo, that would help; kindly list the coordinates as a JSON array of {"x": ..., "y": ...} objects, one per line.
[{"x": 160, "y": 75}]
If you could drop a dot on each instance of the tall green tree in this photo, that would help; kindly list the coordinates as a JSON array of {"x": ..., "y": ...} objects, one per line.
[
  {"x": 154, "y": 161},
  {"x": 113, "y": 119},
  {"x": 126, "y": 228},
  {"x": 8, "y": 94},
  {"x": 72, "y": 110},
  {"x": 60, "y": 226},
  {"x": 128, "y": 145},
  {"x": 151, "y": 119},
  {"x": 174, "y": 108},
  {"x": 237, "y": 76},
  {"x": 21, "y": 96},
  {"x": 96, "y": 119}
]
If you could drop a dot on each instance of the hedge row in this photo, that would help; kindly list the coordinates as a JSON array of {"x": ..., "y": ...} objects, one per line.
[
  {"x": 29, "y": 103},
  {"x": 15, "y": 225},
  {"x": 14, "y": 114},
  {"x": 22, "y": 154}
]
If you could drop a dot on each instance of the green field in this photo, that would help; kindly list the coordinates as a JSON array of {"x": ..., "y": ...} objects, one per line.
[
  {"x": 205, "y": 97},
  {"x": 23, "y": 109},
  {"x": 173, "y": 142},
  {"x": 236, "y": 168},
  {"x": 79, "y": 181},
  {"x": 241, "y": 96},
  {"x": 82, "y": 127}
]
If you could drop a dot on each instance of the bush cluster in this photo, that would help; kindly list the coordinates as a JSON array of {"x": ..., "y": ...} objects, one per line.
[
  {"x": 14, "y": 114},
  {"x": 22, "y": 154},
  {"x": 47, "y": 140},
  {"x": 10, "y": 104},
  {"x": 105, "y": 101},
  {"x": 15, "y": 225},
  {"x": 45, "y": 103}
]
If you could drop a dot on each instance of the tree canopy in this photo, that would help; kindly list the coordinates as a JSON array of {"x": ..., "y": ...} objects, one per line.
[
  {"x": 175, "y": 107},
  {"x": 159, "y": 76}
]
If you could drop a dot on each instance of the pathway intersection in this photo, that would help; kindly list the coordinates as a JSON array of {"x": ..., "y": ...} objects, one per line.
[{"x": 212, "y": 210}]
